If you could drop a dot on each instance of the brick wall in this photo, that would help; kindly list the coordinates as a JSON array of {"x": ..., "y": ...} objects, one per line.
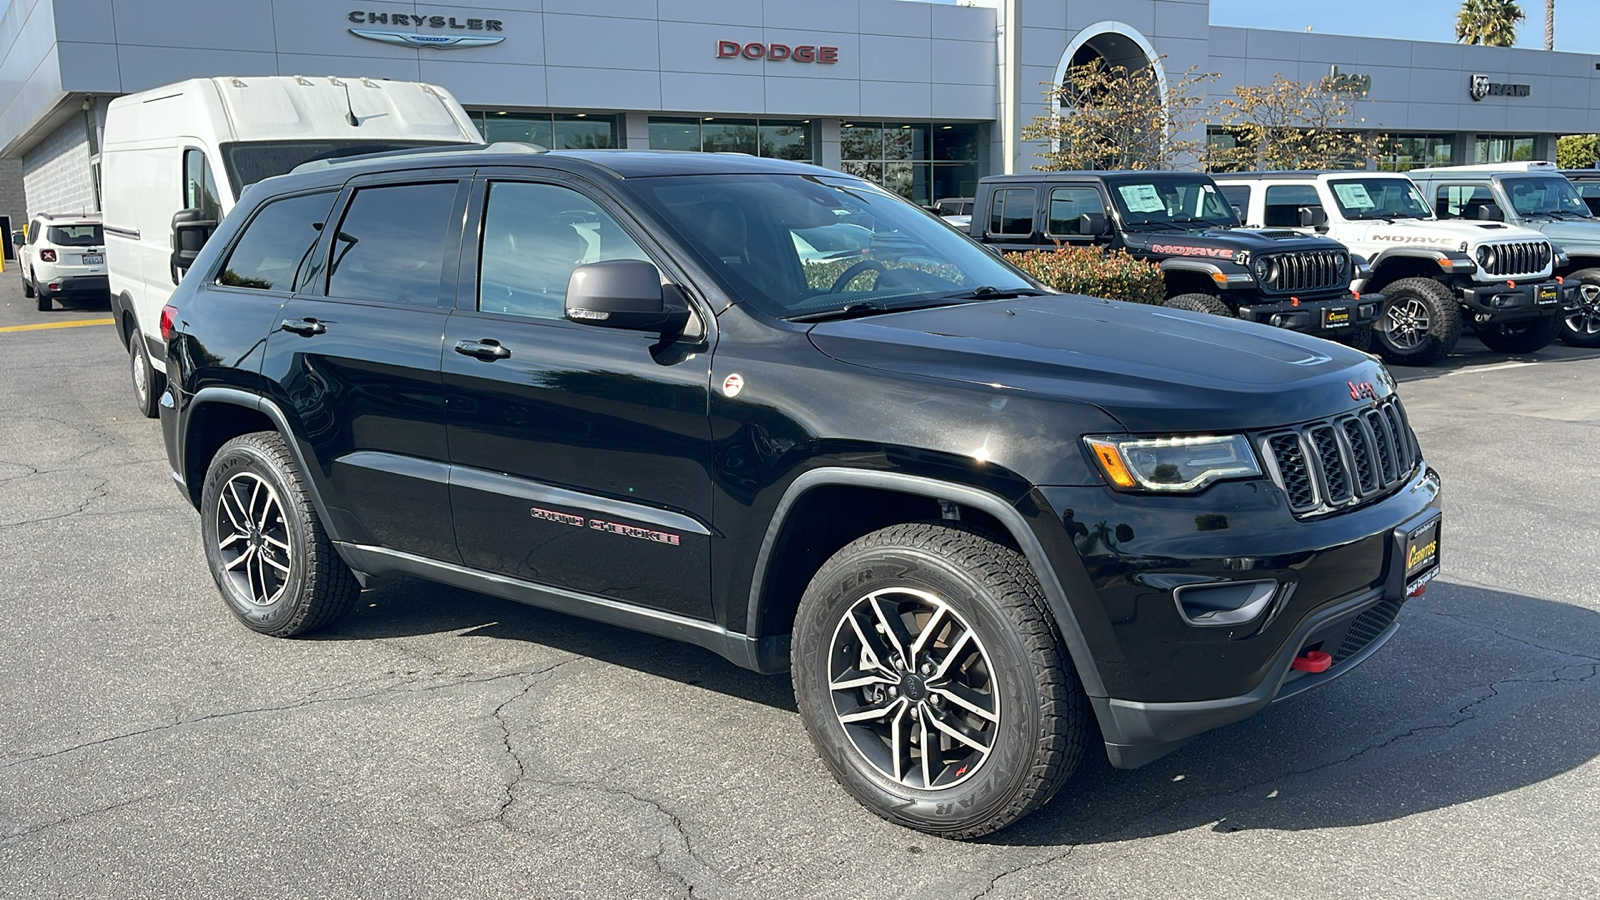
[
  {"x": 55, "y": 174},
  {"x": 13, "y": 203}
]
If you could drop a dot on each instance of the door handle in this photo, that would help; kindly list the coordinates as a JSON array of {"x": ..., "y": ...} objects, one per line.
[
  {"x": 486, "y": 350},
  {"x": 307, "y": 326}
]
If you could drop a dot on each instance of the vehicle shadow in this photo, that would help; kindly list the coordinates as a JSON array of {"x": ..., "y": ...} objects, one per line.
[
  {"x": 1477, "y": 695},
  {"x": 1472, "y": 698},
  {"x": 413, "y": 607},
  {"x": 1471, "y": 354}
]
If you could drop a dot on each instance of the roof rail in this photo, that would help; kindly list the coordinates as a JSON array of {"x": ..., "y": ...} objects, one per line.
[{"x": 433, "y": 149}]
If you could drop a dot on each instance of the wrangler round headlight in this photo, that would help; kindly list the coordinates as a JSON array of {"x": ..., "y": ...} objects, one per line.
[
  {"x": 1485, "y": 256},
  {"x": 1172, "y": 464},
  {"x": 1262, "y": 268}
]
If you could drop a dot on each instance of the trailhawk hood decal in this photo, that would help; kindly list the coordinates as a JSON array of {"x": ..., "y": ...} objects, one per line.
[{"x": 1154, "y": 369}]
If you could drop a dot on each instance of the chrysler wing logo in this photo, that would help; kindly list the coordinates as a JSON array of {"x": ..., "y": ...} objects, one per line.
[
  {"x": 437, "y": 41},
  {"x": 1480, "y": 87}
]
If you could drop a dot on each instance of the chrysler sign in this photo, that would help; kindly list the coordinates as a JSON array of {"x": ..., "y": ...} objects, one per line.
[
  {"x": 444, "y": 41},
  {"x": 804, "y": 53}
]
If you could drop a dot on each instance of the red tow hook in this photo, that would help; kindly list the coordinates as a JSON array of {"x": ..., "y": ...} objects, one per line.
[
  {"x": 1312, "y": 661},
  {"x": 1417, "y": 591}
]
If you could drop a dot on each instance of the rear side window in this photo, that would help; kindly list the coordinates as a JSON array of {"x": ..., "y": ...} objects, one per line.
[
  {"x": 534, "y": 235},
  {"x": 390, "y": 246},
  {"x": 76, "y": 235},
  {"x": 1238, "y": 196},
  {"x": 1284, "y": 202},
  {"x": 1067, "y": 204},
  {"x": 1011, "y": 212},
  {"x": 277, "y": 244}
]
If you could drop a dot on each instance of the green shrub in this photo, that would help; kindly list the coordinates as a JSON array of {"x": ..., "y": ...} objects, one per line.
[
  {"x": 1094, "y": 272},
  {"x": 1577, "y": 151}
]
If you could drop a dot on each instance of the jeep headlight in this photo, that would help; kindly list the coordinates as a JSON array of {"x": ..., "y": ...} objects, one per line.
[
  {"x": 1485, "y": 256},
  {"x": 1172, "y": 464},
  {"x": 1342, "y": 260},
  {"x": 1262, "y": 268}
]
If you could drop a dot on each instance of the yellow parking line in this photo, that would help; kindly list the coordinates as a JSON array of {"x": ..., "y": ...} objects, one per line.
[{"x": 41, "y": 326}]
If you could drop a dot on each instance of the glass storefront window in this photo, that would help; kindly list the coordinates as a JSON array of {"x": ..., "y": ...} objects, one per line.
[
  {"x": 858, "y": 141},
  {"x": 554, "y": 131},
  {"x": 1405, "y": 152},
  {"x": 1499, "y": 148},
  {"x": 772, "y": 138},
  {"x": 921, "y": 161}
]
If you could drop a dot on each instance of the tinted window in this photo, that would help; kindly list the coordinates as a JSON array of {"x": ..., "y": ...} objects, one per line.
[
  {"x": 390, "y": 246},
  {"x": 1238, "y": 196},
  {"x": 252, "y": 161},
  {"x": 76, "y": 235},
  {"x": 1067, "y": 204},
  {"x": 534, "y": 235},
  {"x": 276, "y": 243},
  {"x": 1011, "y": 212},
  {"x": 199, "y": 186},
  {"x": 1284, "y": 202}
]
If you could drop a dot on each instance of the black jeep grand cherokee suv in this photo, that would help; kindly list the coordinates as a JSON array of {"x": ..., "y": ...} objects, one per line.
[{"x": 782, "y": 414}]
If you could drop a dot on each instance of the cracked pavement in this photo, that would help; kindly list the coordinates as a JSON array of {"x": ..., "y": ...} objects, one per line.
[{"x": 444, "y": 744}]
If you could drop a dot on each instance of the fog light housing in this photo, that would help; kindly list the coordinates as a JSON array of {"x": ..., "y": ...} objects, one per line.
[{"x": 1224, "y": 603}]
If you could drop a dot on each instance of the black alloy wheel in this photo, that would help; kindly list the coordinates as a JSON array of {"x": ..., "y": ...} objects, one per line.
[
  {"x": 1420, "y": 325},
  {"x": 1580, "y": 326}
]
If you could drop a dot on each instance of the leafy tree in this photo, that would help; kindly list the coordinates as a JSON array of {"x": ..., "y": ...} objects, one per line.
[
  {"x": 1490, "y": 22},
  {"x": 1577, "y": 151},
  {"x": 1111, "y": 117},
  {"x": 1291, "y": 125}
]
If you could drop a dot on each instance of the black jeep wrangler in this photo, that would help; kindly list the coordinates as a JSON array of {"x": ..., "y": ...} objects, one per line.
[
  {"x": 1181, "y": 222},
  {"x": 987, "y": 526}
]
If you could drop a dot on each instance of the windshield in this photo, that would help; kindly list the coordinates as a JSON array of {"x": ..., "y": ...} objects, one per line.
[
  {"x": 252, "y": 161},
  {"x": 1183, "y": 202},
  {"x": 1544, "y": 195},
  {"x": 808, "y": 246},
  {"x": 1379, "y": 198},
  {"x": 75, "y": 235}
]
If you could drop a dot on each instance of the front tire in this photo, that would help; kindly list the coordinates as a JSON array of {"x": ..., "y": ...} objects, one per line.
[
  {"x": 933, "y": 681},
  {"x": 1524, "y": 336},
  {"x": 1420, "y": 325},
  {"x": 147, "y": 382},
  {"x": 268, "y": 552},
  {"x": 1201, "y": 303},
  {"x": 1581, "y": 327}
]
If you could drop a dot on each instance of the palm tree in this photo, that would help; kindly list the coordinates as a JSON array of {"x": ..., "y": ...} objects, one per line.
[
  {"x": 1549, "y": 24},
  {"x": 1490, "y": 22}
]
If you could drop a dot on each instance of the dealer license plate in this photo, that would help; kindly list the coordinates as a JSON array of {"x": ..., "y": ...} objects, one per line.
[
  {"x": 1548, "y": 294},
  {"x": 1422, "y": 554},
  {"x": 97, "y": 259},
  {"x": 1335, "y": 316}
]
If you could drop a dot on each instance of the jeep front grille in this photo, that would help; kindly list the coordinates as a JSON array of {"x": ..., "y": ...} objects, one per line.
[
  {"x": 1315, "y": 271},
  {"x": 1344, "y": 461},
  {"x": 1515, "y": 258}
]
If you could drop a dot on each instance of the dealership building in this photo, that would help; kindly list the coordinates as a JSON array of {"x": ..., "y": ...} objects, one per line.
[{"x": 922, "y": 97}]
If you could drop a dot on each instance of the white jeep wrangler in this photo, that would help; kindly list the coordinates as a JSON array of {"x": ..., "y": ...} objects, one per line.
[{"x": 1436, "y": 274}]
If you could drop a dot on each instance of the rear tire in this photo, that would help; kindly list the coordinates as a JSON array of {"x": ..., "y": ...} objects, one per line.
[
  {"x": 1581, "y": 327},
  {"x": 1420, "y": 325},
  {"x": 1525, "y": 336},
  {"x": 268, "y": 552},
  {"x": 27, "y": 285},
  {"x": 147, "y": 382},
  {"x": 1200, "y": 303},
  {"x": 943, "y": 634}
]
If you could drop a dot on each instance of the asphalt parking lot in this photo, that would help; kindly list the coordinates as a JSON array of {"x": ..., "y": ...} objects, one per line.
[{"x": 445, "y": 744}]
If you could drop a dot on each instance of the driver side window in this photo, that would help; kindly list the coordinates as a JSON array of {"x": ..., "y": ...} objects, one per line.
[
  {"x": 1463, "y": 201},
  {"x": 534, "y": 235}
]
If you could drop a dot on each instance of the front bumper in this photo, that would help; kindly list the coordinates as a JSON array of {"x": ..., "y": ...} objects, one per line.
[
  {"x": 1324, "y": 318},
  {"x": 1509, "y": 301},
  {"x": 1337, "y": 587}
]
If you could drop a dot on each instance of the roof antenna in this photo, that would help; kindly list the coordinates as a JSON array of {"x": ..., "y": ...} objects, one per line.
[{"x": 350, "y": 110}]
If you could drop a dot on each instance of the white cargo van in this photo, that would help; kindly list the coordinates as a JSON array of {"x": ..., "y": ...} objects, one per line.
[{"x": 195, "y": 145}]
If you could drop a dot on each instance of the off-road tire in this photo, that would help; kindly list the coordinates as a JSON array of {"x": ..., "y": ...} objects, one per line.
[
  {"x": 147, "y": 382},
  {"x": 318, "y": 588},
  {"x": 1200, "y": 303},
  {"x": 1581, "y": 327},
  {"x": 1443, "y": 322},
  {"x": 1043, "y": 722},
  {"x": 1357, "y": 338},
  {"x": 27, "y": 285},
  {"x": 1523, "y": 336}
]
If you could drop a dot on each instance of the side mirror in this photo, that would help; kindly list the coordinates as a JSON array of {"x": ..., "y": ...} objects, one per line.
[
  {"x": 621, "y": 293},
  {"x": 1491, "y": 212},
  {"x": 1313, "y": 217},
  {"x": 191, "y": 228},
  {"x": 1092, "y": 224},
  {"x": 1237, "y": 213},
  {"x": 18, "y": 239}
]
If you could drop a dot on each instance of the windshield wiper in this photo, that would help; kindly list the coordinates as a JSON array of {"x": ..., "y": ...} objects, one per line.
[
  {"x": 862, "y": 308},
  {"x": 1161, "y": 223},
  {"x": 848, "y": 311},
  {"x": 990, "y": 292}
]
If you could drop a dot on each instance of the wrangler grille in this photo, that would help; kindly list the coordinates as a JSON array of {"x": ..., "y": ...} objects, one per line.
[
  {"x": 1515, "y": 258},
  {"x": 1314, "y": 271},
  {"x": 1343, "y": 461}
]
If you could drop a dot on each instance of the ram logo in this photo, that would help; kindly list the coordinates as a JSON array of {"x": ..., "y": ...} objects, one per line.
[{"x": 1480, "y": 87}]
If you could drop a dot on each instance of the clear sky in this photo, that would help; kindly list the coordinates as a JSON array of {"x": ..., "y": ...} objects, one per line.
[{"x": 1577, "y": 21}]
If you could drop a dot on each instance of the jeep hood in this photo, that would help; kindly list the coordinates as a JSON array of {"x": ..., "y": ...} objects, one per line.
[
  {"x": 1153, "y": 369},
  {"x": 1442, "y": 234},
  {"x": 1255, "y": 240},
  {"x": 1568, "y": 235}
]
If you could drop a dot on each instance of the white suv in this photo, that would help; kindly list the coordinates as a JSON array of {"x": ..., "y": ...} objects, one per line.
[
  {"x": 63, "y": 256},
  {"x": 1436, "y": 274}
]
